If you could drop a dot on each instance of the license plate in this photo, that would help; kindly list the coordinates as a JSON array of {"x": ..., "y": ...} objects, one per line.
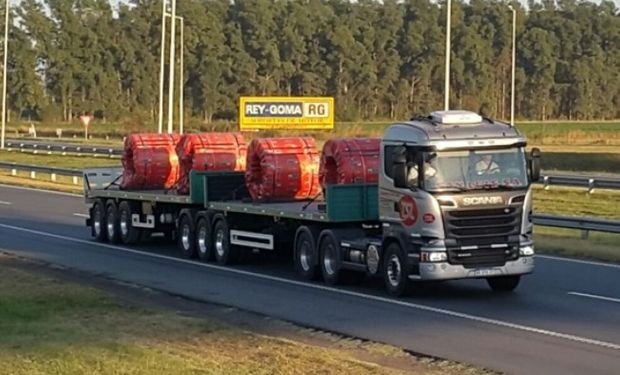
[{"x": 486, "y": 272}]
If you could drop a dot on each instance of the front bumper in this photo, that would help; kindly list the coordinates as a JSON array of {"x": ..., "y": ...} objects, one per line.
[{"x": 447, "y": 271}]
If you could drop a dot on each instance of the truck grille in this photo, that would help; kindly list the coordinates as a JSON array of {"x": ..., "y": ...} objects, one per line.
[{"x": 480, "y": 228}]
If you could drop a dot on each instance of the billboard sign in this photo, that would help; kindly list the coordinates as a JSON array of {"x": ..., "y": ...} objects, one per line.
[{"x": 276, "y": 112}]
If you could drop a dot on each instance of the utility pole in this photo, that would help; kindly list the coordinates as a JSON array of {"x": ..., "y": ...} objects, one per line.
[
  {"x": 4, "y": 70},
  {"x": 514, "y": 58},
  {"x": 446, "y": 104},
  {"x": 173, "y": 14},
  {"x": 181, "y": 78},
  {"x": 160, "y": 122}
]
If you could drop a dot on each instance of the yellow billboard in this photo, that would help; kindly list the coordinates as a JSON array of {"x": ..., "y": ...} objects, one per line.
[{"x": 286, "y": 112}]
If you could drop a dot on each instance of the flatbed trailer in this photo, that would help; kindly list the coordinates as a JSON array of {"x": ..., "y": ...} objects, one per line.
[{"x": 218, "y": 221}]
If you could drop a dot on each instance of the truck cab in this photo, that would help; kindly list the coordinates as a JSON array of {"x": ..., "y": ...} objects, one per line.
[{"x": 455, "y": 201}]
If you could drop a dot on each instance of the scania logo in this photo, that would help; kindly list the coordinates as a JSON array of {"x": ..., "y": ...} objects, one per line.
[{"x": 473, "y": 201}]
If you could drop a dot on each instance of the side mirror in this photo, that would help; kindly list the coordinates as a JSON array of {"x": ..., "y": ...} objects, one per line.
[{"x": 535, "y": 164}]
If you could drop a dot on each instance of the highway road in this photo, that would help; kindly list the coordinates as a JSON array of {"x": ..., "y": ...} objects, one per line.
[{"x": 564, "y": 319}]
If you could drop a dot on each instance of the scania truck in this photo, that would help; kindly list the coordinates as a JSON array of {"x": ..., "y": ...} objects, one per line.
[{"x": 453, "y": 201}]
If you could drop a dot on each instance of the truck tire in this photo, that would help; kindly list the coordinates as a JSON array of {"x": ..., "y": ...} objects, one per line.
[
  {"x": 98, "y": 221},
  {"x": 111, "y": 220},
  {"x": 504, "y": 284},
  {"x": 305, "y": 257},
  {"x": 204, "y": 240},
  {"x": 186, "y": 237},
  {"x": 128, "y": 233},
  {"x": 395, "y": 273},
  {"x": 329, "y": 250},
  {"x": 225, "y": 253}
]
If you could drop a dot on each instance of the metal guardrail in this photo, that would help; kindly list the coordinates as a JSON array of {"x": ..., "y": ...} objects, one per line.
[
  {"x": 589, "y": 182},
  {"x": 62, "y": 148},
  {"x": 584, "y": 224},
  {"x": 581, "y": 223},
  {"x": 34, "y": 169}
]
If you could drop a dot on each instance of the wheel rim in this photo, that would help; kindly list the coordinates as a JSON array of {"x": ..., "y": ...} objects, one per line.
[
  {"x": 110, "y": 225},
  {"x": 97, "y": 220},
  {"x": 202, "y": 240},
  {"x": 219, "y": 243},
  {"x": 124, "y": 224},
  {"x": 329, "y": 261},
  {"x": 185, "y": 237},
  {"x": 305, "y": 254},
  {"x": 394, "y": 270}
]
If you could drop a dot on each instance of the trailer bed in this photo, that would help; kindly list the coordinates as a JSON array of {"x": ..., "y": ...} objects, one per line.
[{"x": 225, "y": 191}]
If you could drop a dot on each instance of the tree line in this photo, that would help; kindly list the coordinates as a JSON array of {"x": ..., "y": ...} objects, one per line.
[{"x": 379, "y": 59}]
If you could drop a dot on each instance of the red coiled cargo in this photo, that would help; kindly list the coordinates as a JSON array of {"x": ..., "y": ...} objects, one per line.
[
  {"x": 209, "y": 152},
  {"x": 282, "y": 169},
  {"x": 150, "y": 162},
  {"x": 350, "y": 161}
]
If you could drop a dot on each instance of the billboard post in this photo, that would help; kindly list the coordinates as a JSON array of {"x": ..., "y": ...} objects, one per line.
[{"x": 293, "y": 113}]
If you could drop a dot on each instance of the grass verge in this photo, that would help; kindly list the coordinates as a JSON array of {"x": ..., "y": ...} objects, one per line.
[
  {"x": 57, "y": 160},
  {"x": 568, "y": 201},
  {"x": 569, "y": 242},
  {"x": 63, "y": 184},
  {"x": 52, "y": 326}
]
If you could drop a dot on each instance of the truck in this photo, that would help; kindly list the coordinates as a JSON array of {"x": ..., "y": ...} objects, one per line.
[{"x": 453, "y": 201}]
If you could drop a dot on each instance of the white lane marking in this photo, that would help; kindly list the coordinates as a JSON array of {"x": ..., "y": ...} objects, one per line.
[
  {"x": 456, "y": 314},
  {"x": 6, "y": 203},
  {"x": 588, "y": 262},
  {"x": 41, "y": 190},
  {"x": 81, "y": 215},
  {"x": 594, "y": 296}
]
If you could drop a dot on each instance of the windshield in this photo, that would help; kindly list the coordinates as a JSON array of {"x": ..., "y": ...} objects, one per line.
[{"x": 474, "y": 170}]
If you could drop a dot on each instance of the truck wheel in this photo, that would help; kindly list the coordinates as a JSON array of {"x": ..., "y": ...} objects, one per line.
[
  {"x": 128, "y": 233},
  {"x": 111, "y": 220},
  {"x": 98, "y": 217},
  {"x": 395, "y": 274},
  {"x": 504, "y": 283},
  {"x": 225, "y": 253},
  {"x": 330, "y": 259},
  {"x": 186, "y": 237},
  {"x": 204, "y": 244},
  {"x": 305, "y": 253}
]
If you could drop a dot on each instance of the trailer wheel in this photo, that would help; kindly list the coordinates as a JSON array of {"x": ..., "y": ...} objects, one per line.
[
  {"x": 98, "y": 221},
  {"x": 204, "y": 243},
  {"x": 504, "y": 284},
  {"x": 330, "y": 258},
  {"x": 128, "y": 233},
  {"x": 186, "y": 237},
  {"x": 306, "y": 253},
  {"x": 225, "y": 253},
  {"x": 111, "y": 220},
  {"x": 395, "y": 273}
]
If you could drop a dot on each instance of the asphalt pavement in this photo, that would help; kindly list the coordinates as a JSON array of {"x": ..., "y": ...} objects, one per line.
[{"x": 563, "y": 319}]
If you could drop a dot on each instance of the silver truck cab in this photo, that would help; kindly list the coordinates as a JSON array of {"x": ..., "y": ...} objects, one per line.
[{"x": 455, "y": 201}]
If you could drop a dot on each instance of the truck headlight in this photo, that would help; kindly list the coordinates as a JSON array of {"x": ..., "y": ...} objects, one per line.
[
  {"x": 526, "y": 251},
  {"x": 433, "y": 256}
]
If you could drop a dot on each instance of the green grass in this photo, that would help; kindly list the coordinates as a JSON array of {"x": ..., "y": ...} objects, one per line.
[
  {"x": 569, "y": 242},
  {"x": 57, "y": 160},
  {"x": 577, "y": 202},
  {"x": 49, "y": 326}
]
